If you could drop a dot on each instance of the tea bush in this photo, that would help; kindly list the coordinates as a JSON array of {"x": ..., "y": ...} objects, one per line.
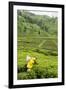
[
  {"x": 38, "y": 72},
  {"x": 22, "y": 68},
  {"x": 22, "y": 75}
]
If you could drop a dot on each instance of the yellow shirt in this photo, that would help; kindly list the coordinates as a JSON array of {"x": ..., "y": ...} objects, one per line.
[{"x": 30, "y": 64}]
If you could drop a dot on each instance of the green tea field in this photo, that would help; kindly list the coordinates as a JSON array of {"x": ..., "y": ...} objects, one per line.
[{"x": 37, "y": 37}]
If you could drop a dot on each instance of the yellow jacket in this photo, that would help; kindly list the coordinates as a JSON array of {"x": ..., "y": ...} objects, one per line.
[{"x": 30, "y": 64}]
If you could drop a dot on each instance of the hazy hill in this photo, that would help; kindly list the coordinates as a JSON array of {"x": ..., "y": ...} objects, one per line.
[{"x": 36, "y": 25}]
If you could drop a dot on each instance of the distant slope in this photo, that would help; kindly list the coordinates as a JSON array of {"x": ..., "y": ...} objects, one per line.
[{"x": 36, "y": 25}]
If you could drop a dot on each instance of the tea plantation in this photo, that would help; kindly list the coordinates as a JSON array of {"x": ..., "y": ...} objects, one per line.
[{"x": 37, "y": 37}]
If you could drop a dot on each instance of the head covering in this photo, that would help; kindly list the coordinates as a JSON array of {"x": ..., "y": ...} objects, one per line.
[{"x": 28, "y": 58}]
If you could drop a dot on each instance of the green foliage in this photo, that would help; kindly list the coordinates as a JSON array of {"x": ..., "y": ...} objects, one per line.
[
  {"x": 32, "y": 75},
  {"x": 39, "y": 72},
  {"x": 34, "y": 23},
  {"x": 37, "y": 36},
  {"x": 22, "y": 68},
  {"x": 46, "y": 72},
  {"x": 22, "y": 76},
  {"x": 28, "y": 75},
  {"x": 46, "y": 66}
]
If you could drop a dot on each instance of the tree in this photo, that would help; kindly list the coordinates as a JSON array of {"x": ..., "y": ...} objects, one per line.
[{"x": 38, "y": 32}]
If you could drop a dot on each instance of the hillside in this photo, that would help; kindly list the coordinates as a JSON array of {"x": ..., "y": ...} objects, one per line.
[
  {"x": 37, "y": 25},
  {"x": 36, "y": 29},
  {"x": 37, "y": 38}
]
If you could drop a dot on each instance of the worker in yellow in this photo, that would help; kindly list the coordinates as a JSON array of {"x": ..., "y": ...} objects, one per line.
[{"x": 30, "y": 62}]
